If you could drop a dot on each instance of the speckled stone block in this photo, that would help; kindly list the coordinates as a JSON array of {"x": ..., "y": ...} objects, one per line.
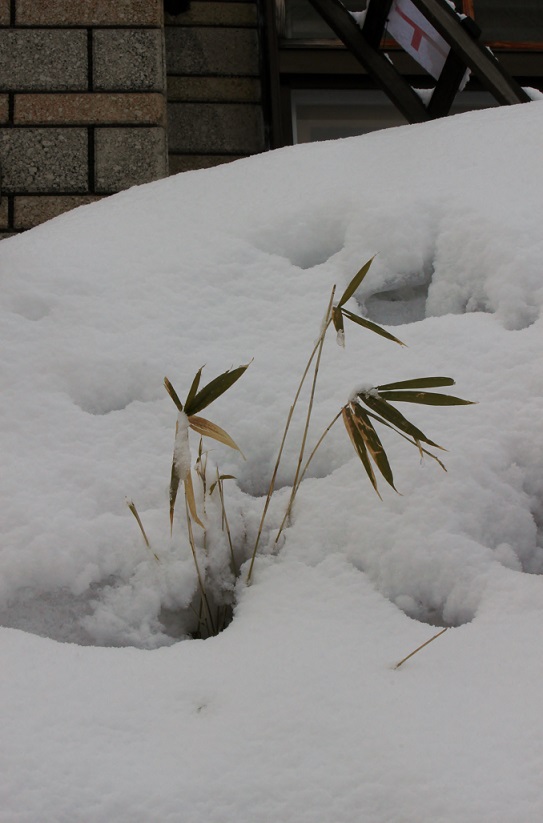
[
  {"x": 43, "y": 160},
  {"x": 129, "y": 157},
  {"x": 215, "y": 128},
  {"x": 4, "y": 12},
  {"x": 128, "y": 60},
  {"x": 89, "y": 109},
  {"x": 209, "y": 13},
  {"x": 43, "y": 60},
  {"x": 4, "y": 220},
  {"x": 208, "y": 51},
  {"x": 89, "y": 12},
  {"x": 4, "y": 108},
  {"x": 31, "y": 211}
]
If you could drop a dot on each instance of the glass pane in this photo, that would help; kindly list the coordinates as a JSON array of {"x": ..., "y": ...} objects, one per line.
[
  {"x": 517, "y": 21},
  {"x": 302, "y": 22},
  {"x": 326, "y": 114}
]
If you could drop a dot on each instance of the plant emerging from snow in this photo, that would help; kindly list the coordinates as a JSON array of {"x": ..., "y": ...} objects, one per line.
[{"x": 366, "y": 407}]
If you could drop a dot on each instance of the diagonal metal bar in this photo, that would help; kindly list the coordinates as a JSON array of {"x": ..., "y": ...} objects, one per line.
[
  {"x": 376, "y": 64},
  {"x": 481, "y": 61}
]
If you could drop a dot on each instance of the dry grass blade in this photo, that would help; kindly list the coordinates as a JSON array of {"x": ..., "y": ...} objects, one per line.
[
  {"x": 131, "y": 505},
  {"x": 208, "y": 429},
  {"x": 355, "y": 282},
  {"x": 173, "y": 394},
  {"x": 174, "y": 487},
  {"x": 214, "y": 389},
  {"x": 359, "y": 446},
  {"x": 367, "y": 324},
  {"x": 397, "y": 666}
]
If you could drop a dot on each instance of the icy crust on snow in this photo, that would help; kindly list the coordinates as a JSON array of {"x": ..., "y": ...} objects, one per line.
[{"x": 236, "y": 262}]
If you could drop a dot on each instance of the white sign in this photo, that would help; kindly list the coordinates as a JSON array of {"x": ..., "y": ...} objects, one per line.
[{"x": 412, "y": 31}]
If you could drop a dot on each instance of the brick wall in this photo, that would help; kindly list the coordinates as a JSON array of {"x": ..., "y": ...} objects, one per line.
[
  {"x": 214, "y": 87},
  {"x": 82, "y": 103}
]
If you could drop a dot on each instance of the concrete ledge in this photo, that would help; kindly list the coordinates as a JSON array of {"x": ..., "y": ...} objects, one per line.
[
  {"x": 192, "y": 162},
  {"x": 129, "y": 157},
  {"x": 83, "y": 109},
  {"x": 209, "y": 13},
  {"x": 31, "y": 211},
  {"x": 4, "y": 108},
  {"x": 128, "y": 59},
  {"x": 89, "y": 12},
  {"x": 43, "y": 60},
  {"x": 43, "y": 160},
  {"x": 212, "y": 51},
  {"x": 219, "y": 128},
  {"x": 216, "y": 89}
]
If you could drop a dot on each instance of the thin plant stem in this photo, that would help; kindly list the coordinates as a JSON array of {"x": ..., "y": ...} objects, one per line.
[
  {"x": 397, "y": 666},
  {"x": 132, "y": 507},
  {"x": 197, "y": 567},
  {"x": 225, "y": 522},
  {"x": 271, "y": 488},
  {"x": 303, "y": 473}
]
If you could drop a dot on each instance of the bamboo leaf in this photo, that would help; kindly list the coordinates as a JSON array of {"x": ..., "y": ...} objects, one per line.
[
  {"x": 174, "y": 486},
  {"x": 189, "y": 497},
  {"x": 373, "y": 443},
  {"x": 208, "y": 429},
  {"x": 219, "y": 479},
  {"x": 214, "y": 389},
  {"x": 359, "y": 446},
  {"x": 194, "y": 387},
  {"x": 415, "y": 443},
  {"x": 367, "y": 324},
  {"x": 173, "y": 394},
  {"x": 427, "y": 398},
  {"x": 337, "y": 320},
  {"x": 418, "y": 383},
  {"x": 355, "y": 282},
  {"x": 396, "y": 418}
]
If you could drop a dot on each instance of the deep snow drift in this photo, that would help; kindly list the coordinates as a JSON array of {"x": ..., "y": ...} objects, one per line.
[{"x": 295, "y": 712}]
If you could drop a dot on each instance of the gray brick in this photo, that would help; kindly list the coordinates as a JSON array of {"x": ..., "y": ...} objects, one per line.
[
  {"x": 41, "y": 59},
  {"x": 43, "y": 160},
  {"x": 128, "y": 60},
  {"x": 212, "y": 51},
  {"x": 215, "y": 128},
  {"x": 128, "y": 157}
]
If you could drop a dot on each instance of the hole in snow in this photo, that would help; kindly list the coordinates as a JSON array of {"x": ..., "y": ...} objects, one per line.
[
  {"x": 306, "y": 242},
  {"x": 404, "y": 303}
]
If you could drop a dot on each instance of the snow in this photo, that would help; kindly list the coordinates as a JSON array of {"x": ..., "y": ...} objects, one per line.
[{"x": 295, "y": 712}]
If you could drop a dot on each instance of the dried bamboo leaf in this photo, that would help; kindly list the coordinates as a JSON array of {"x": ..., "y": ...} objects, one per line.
[
  {"x": 174, "y": 486},
  {"x": 214, "y": 389},
  {"x": 359, "y": 446},
  {"x": 355, "y": 282},
  {"x": 208, "y": 429},
  {"x": 173, "y": 394},
  {"x": 189, "y": 497},
  {"x": 373, "y": 443},
  {"x": 367, "y": 324},
  {"x": 415, "y": 443}
]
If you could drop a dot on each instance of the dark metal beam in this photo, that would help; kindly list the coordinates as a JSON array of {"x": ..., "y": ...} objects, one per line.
[
  {"x": 376, "y": 64},
  {"x": 479, "y": 59}
]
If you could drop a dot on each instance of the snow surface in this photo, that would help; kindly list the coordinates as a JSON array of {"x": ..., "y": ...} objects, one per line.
[{"x": 295, "y": 712}]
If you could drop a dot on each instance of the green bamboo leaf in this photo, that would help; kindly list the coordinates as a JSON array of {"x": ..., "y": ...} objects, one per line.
[
  {"x": 359, "y": 446},
  {"x": 355, "y": 282},
  {"x": 415, "y": 443},
  {"x": 337, "y": 320},
  {"x": 373, "y": 443},
  {"x": 173, "y": 394},
  {"x": 367, "y": 324},
  {"x": 194, "y": 387},
  {"x": 418, "y": 383},
  {"x": 396, "y": 418},
  {"x": 427, "y": 398},
  {"x": 214, "y": 389}
]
